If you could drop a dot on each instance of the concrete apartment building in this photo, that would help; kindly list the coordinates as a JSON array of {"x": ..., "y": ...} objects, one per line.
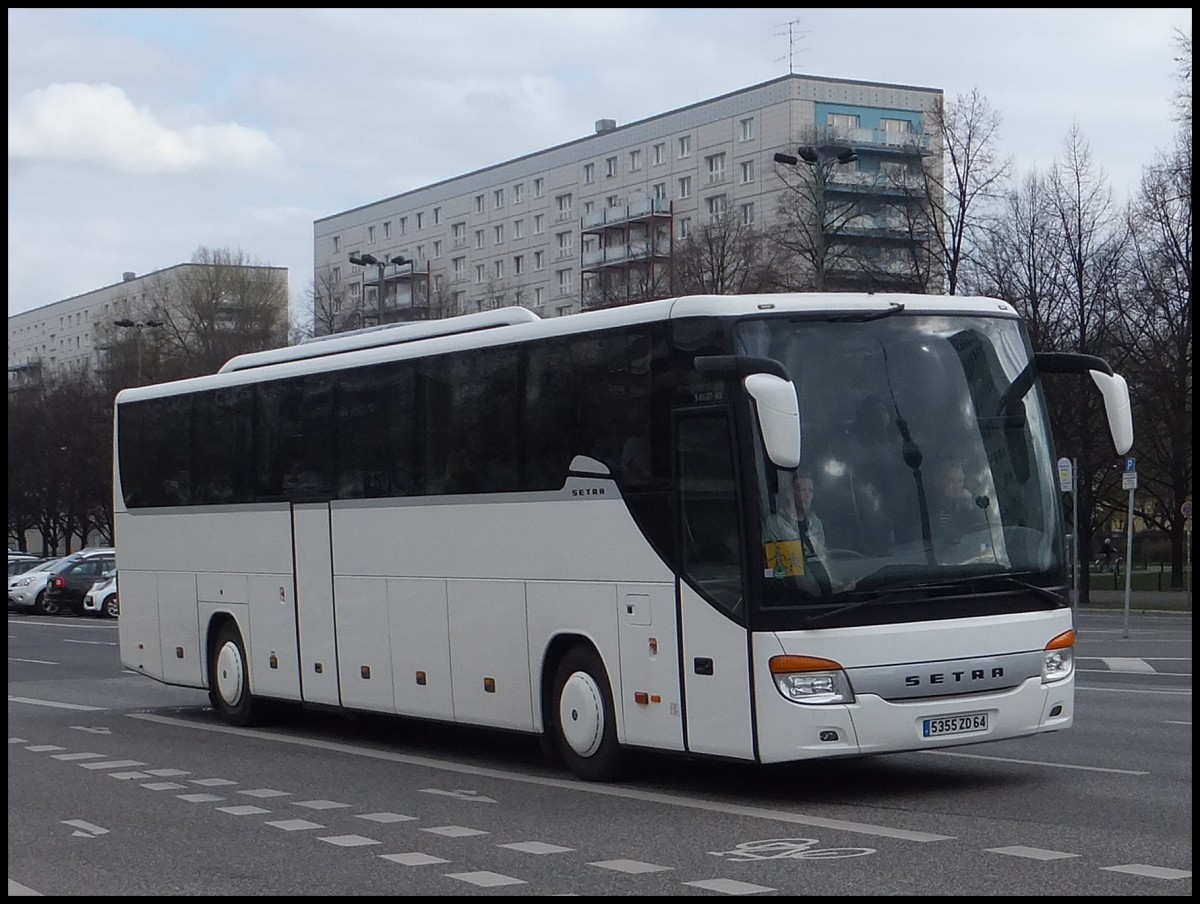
[
  {"x": 67, "y": 336},
  {"x": 596, "y": 219}
]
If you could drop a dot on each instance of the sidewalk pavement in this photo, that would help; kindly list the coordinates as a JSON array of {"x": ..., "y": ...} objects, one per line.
[{"x": 1142, "y": 600}]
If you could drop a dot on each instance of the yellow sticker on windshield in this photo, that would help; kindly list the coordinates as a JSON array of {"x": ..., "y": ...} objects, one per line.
[{"x": 785, "y": 558}]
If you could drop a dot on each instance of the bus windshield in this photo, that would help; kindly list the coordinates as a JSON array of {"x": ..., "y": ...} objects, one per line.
[{"x": 915, "y": 473}]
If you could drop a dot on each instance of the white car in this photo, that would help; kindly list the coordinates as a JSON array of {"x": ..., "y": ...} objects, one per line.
[
  {"x": 26, "y": 590},
  {"x": 101, "y": 601}
]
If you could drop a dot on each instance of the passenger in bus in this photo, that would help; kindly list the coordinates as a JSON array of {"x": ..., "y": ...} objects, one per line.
[{"x": 954, "y": 511}]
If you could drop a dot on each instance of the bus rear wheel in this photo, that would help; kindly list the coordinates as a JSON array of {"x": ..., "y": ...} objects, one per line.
[
  {"x": 583, "y": 719},
  {"x": 229, "y": 678}
]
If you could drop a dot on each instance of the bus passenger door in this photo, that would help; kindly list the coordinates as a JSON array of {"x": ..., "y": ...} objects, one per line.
[
  {"x": 312, "y": 554},
  {"x": 714, "y": 642}
]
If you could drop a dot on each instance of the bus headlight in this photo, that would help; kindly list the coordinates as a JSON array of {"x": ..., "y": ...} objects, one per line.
[
  {"x": 810, "y": 679},
  {"x": 1059, "y": 658}
]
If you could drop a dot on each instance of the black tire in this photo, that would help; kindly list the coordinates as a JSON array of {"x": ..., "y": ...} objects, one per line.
[
  {"x": 582, "y": 719},
  {"x": 42, "y": 606},
  {"x": 229, "y": 678},
  {"x": 111, "y": 608}
]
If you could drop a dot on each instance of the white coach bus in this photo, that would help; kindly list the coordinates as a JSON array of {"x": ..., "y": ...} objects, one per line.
[{"x": 556, "y": 526}]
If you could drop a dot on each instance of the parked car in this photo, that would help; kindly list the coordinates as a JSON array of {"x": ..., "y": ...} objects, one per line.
[
  {"x": 101, "y": 601},
  {"x": 21, "y": 561},
  {"x": 26, "y": 590},
  {"x": 73, "y": 577}
]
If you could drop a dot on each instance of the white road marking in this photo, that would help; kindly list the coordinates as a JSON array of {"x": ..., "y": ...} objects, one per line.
[
  {"x": 630, "y": 866},
  {"x": 1009, "y": 759},
  {"x": 1126, "y": 664},
  {"x": 461, "y": 794},
  {"x": 568, "y": 784},
  {"x": 1153, "y": 872},
  {"x": 486, "y": 879},
  {"x": 34, "y": 662},
  {"x": 453, "y": 831},
  {"x": 80, "y": 706},
  {"x": 413, "y": 859},
  {"x": 1031, "y": 853}
]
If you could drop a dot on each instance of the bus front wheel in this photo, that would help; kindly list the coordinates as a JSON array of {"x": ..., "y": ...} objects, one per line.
[
  {"x": 229, "y": 678},
  {"x": 583, "y": 720}
]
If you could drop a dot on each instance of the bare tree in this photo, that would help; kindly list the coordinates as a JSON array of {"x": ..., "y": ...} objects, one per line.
[
  {"x": 971, "y": 173},
  {"x": 725, "y": 256},
  {"x": 812, "y": 226},
  {"x": 226, "y": 306},
  {"x": 1157, "y": 312}
]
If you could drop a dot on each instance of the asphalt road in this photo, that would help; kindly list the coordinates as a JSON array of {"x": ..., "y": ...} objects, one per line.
[{"x": 119, "y": 785}]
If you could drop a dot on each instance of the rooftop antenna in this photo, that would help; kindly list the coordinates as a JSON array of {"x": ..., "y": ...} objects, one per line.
[{"x": 792, "y": 35}]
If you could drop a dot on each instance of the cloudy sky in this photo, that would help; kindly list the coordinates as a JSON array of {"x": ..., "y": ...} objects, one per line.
[{"x": 136, "y": 136}]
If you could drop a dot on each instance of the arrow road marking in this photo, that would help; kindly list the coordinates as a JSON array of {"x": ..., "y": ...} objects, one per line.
[{"x": 88, "y": 830}]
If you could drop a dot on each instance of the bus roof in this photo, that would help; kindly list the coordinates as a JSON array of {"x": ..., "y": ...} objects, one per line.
[{"x": 513, "y": 324}]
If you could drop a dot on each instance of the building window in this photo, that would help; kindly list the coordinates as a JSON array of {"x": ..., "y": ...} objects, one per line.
[
  {"x": 460, "y": 265},
  {"x": 747, "y": 172},
  {"x": 716, "y": 168},
  {"x": 437, "y": 250},
  {"x": 539, "y": 297},
  {"x": 589, "y": 173},
  {"x": 498, "y": 234},
  {"x": 498, "y": 198},
  {"x": 539, "y": 223},
  {"x": 459, "y": 233},
  {"x": 437, "y": 216},
  {"x": 387, "y": 229},
  {"x": 685, "y": 146},
  {"x": 336, "y": 273},
  {"x": 479, "y": 203},
  {"x": 404, "y": 225},
  {"x": 478, "y": 238},
  {"x": 612, "y": 200},
  {"x": 564, "y": 243},
  {"x": 337, "y": 244},
  {"x": 479, "y": 273},
  {"x": 518, "y": 229},
  {"x": 588, "y": 207},
  {"x": 518, "y": 265},
  {"x": 538, "y": 185},
  {"x": 518, "y": 192},
  {"x": 539, "y": 260},
  {"x": 438, "y": 282},
  {"x": 660, "y": 191},
  {"x": 843, "y": 121},
  {"x": 685, "y": 227},
  {"x": 564, "y": 282},
  {"x": 498, "y": 269},
  {"x": 610, "y": 167},
  {"x": 660, "y": 153},
  {"x": 564, "y": 206},
  {"x": 420, "y": 252},
  {"x": 716, "y": 208},
  {"x": 685, "y": 187},
  {"x": 747, "y": 129},
  {"x": 420, "y": 220},
  {"x": 460, "y": 300},
  {"x": 370, "y": 235},
  {"x": 748, "y": 214},
  {"x": 635, "y": 160}
]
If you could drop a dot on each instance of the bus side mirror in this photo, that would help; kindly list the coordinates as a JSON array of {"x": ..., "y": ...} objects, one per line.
[
  {"x": 1117, "y": 407},
  {"x": 778, "y": 417}
]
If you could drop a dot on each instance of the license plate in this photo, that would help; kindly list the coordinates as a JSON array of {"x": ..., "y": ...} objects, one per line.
[{"x": 962, "y": 723}]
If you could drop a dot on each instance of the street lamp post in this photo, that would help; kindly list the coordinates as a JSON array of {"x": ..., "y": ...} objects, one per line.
[
  {"x": 370, "y": 260},
  {"x": 821, "y": 159},
  {"x": 138, "y": 325}
]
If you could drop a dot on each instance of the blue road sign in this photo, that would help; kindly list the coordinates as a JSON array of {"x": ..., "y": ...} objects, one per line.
[{"x": 1131, "y": 466}]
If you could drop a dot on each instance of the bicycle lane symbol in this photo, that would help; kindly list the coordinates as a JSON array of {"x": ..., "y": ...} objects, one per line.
[{"x": 787, "y": 849}]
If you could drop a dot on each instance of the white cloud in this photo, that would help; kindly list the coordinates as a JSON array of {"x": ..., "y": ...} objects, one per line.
[{"x": 99, "y": 125}]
